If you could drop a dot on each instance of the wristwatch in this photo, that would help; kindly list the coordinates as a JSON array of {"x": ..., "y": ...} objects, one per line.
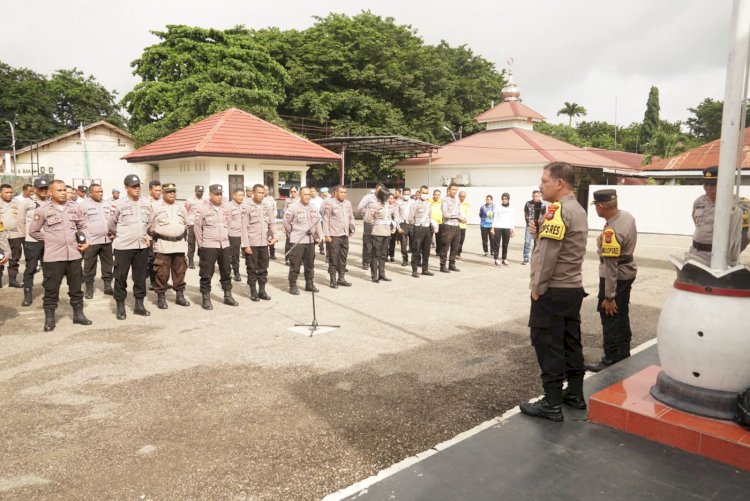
[{"x": 609, "y": 299}]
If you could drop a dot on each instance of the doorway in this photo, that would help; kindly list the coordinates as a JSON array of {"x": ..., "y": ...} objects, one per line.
[{"x": 236, "y": 182}]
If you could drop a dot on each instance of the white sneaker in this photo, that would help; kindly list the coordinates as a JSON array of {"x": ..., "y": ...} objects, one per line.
[
  {"x": 526, "y": 261},
  {"x": 505, "y": 262},
  {"x": 497, "y": 263}
]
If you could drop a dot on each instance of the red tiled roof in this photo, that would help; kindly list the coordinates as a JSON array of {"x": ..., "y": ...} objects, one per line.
[
  {"x": 632, "y": 160},
  {"x": 509, "y": 110},
  {"x": 233, "y": 133},
  {"x": 699, "y": 158},
  {"x": 513, "y": 146}
]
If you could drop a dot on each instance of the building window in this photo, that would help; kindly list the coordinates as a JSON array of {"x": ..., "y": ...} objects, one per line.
[{"x": 243, "y": 167}]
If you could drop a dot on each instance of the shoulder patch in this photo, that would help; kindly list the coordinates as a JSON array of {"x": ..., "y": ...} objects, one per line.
[
  {"x": 37, "y": 217},
  {"x": 553, "y": 226},
  {"x": 610, "y": 245}
]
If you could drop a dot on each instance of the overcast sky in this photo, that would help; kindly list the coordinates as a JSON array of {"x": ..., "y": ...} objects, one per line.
[{"x": 586, "y": 51}]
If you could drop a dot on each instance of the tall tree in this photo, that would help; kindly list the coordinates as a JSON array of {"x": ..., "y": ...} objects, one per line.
[
  {"x": 81, "y": 99},
  {"x": 195, "y": 72},
  {"x": 651, "y": 120},
  {"x": 663, "y": 144},
  {"x": 572, "y": 110}
]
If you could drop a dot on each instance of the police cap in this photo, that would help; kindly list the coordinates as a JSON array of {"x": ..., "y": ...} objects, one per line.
[
  {"x": 216, "y": 189},
  {"x": 604, "y": 196},
  {"x": 199, "y": 188},
  {"x": 132, "y": 180},
  {"x": 710, "y": 175},
  {"x": 167, "y": 187},
  {"x": 40, "y": 183}
]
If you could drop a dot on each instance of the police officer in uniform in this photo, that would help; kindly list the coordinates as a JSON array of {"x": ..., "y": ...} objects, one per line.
[
  {"x": 557, "y": 293},
  {"x": 703, "y": 217},
  {"x": 235, "y": 230},
  {"x": 404, "y": 206},
  {"x": 338, "y": 226},
  {"x": 153, "y": 199},
  {"x": 33, "y": 250},
  {"x": 292, "y": 199},
  {"x": 617, "y": 271},
  {"x": 59, "y": 223},
  {"x": 450, "y": 233},
  {"x": 192, "y": 206},
  {"x": 128, "y": 225},
  {"x": 271, "y": 201},
  {"x": 302, "y": 223},
  {"x": 422, "y": 229},
  {"x": 168, "y": 227},
  {"x": 367, "y": 224},
  {"x": 211, "y": 229},
  {"x": 15, "y": 232},
  {"x": 96, "y": 213},
  {"x": 257, "y": 234}
]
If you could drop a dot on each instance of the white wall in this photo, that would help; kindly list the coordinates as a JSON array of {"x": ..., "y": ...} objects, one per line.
[
  {"x": 484, "y": 175},
  {"x": 657, "y": 209}
]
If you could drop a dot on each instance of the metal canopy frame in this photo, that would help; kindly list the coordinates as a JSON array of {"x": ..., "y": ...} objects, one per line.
[{"x": 376, "y": 145}]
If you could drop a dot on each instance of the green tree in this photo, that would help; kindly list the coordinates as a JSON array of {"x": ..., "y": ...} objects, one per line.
[
  {"x": 195, "y": 72},
  {"x": 705, "y": 125},
  {"x": 80, "y": 99},
  {"x": 663, "y": 144},
  {"x": 651, "y": 120},
  {"x": 561, "y": 132},
  {"x": 572, "y": 110}
]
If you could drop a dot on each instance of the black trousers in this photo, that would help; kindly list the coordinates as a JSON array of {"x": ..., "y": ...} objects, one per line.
[
  {"x": 53, "y": 274},
  {"x": 555, "y": 322},
  {"x": 166, "y": 264},
  {"x": 450, "y": 236},
  {"x": 616, "y": 329},
  {"x": 488, "y": 242},
  {"x": 366, "y": 243},
  {"x": 287, "y": 246},
  {"x": 302, "y": 254},
  {"x": 421, "y": 238},
  {"x": 102, "y": 252},
  {"x": 209, "y": 258},
  {"x": 461, "y": 240},
  {"x": 234, "y": 244},
  {"x": 501, "y": 240},
  {"x": 379, "y": 255},
  {"x": 125, "y": 259},
  {"x": 405, "y": 239},
  {"x": 16, "y": 248},
  {"x": 392, "y": 244},
  {"x": 338, "y": 251},
  {"x": 256, "y": 265},
  {"x": 191, "y": 241},
  {"x": 34, "y": 252}
]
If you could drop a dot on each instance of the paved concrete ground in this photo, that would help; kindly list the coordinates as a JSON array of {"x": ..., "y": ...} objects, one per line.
[{"x": 231, "y": 404}]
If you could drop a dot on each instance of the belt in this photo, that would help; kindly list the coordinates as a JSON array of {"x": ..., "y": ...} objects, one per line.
[
  {"x": 622, "y": 260},
  {"x": 169, "y": 239},
  {"x": 381, "y": 221},
  {"x": 702, "y": 247}
]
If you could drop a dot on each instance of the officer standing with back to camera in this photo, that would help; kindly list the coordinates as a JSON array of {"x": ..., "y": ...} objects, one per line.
[
  {"x": 212, "y": 220},
  {"x": 617, "y": 271},
  {"x": 338, "y": 226},
  {"x": 703, "y": 216},
  {"x": 60, "y": 224},
  {"x": 192, "y": 205},
  {"x": 302, "y": 222},
  {"x": 33, "y": 250},
  {"x": 96, "y": 213},
  {"x": 168, "y": 226},
  {"x": 257, "y": 235},
  {"x": 557, "y": 293},
  {"x": 129, "y": 218}
]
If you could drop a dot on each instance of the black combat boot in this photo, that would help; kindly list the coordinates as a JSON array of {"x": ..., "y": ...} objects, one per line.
[
  {"x": 89, "y": 290},
  {"x": 254, "y": 293},
  {"x": 384, "y": 278},
  {"x": 237, "y": 277},
  {"x": 49, "y": 320},
  {"x": 600, "y": 366},
  {"x": 140, "y": 309},
  {"x": 78, "y": 316},
  {"x": 574, "y": 400},
  {"x": 151, "y": 285},
  {"x": 229, "y": 300},
  {"x": 414, "y": 273},
  {"x": 108, "y": 286},
  {"x": 404, "y": 262},
  {"x": 27, "y": 297},
  {"x": 444, "y": 269},
  {"x": 262, "y": 293},
  {"x": 191, "y": 263},
  {"x": 543, "y": 409},
  {"x": 334, "y": 283},
  {"x": 453, "y": 267},
  {"x": 293, "y": 290},
  {"x": 427, "y": 272},
  {"x": 206, "y": 304},
  {"x": 13, "y": 282},
  {"x": 161, "y": 301},
  {"x": 342, "y": 280},
  {"x": 310, "y": 286},
  {"x": 121, "y": 315},
  {"x": 181, "y": 299}
]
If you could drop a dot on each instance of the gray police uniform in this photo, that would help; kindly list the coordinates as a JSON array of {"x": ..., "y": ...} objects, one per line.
[
  {"x": 15, "y": 234},
  {"x": 338, "y": 224},
  {"x": 302, "y": 224},
  {"x": 168, "y": 225},
  {"x": 100, "y": 245}
]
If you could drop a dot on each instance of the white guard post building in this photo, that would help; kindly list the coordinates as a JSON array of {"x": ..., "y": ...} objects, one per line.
[
  {"x": 91, "y": 153},
  {"x": 232, "y": 148}
]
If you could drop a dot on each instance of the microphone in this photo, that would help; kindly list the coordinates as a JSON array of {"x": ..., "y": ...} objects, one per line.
[
  {"x": 537, "y": 211},
  {"x": 80, "y": 237},
  {"x": 2, "y": 255}
]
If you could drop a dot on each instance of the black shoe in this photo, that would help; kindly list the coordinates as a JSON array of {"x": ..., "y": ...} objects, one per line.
[
  {"x": 140, "y": 309},
  {"x": 108, "y": 287},
  {"x": 229, "y": 300},
  {"x": 237, "y": 277},
  {"x": 375, "y": 279},
  {"x": 49, "y": 320},
  {"x": 79, "y": 318},
  {"x": 206, "y": 301},
  {"x": 26, "y": 297},
  {"x": 310, "y": 286},
  {"x": 161, "y": 301},
  {"x": 415, "y": 274},
  {"x": 121, "y": 315},
  {"x": 542, "y": 409},
  {"x": 575, "y": 401},
  {"x": 89, "y": 294},
  {"x": 254, "y": 293},
  {"x": 342, "y": 281},
  {"x": 427, "y": 273},
  {"x": 453, "y": 268},
  {"x": 384, "y": 278},
  {"x": 181, "y": 299},
  {"x": 293, "y": 290},
  {"x": 603, "y": 364},
  {"x": 334, "y": 283},
  {"x": 365, "y": 266},
  {"x": 444, "y": 269},
  {"x": 12, "y": 282},
  {"x": 263, "y": 294},
  {"x": 405, "y": 262},
  {"x": 151, "y": 285}
]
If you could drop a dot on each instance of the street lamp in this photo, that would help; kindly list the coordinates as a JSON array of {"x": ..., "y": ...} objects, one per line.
[
  {"x": 13, "y": 142},
  {"x": 451, "y": 132}
]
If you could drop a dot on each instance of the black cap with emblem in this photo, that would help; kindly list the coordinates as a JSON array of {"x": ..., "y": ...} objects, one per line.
[
  {"x": 604, "y": 196},
  {"x": 199, "y": 188},
  {"x": 132, "y": 180},
  {"x": 40, "y": 183},
  {"x": 710, "y": 175},
  {"x": 167, "y": 187},
  {"x": 216, "y": 189}
]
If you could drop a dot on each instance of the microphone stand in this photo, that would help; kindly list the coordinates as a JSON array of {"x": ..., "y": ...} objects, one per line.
[{"x": 314, "y": 324}]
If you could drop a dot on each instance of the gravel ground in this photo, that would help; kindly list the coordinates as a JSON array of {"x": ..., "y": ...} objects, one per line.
[{"x": 231, "y": 404}]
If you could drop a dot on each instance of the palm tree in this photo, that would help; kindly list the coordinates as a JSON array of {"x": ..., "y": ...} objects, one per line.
[
  {"x": 572, "y": 110},
  {"x": 663, "y": 144}
]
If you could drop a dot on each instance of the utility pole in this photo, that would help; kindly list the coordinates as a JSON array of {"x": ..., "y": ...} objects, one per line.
[{"x": 13, "y": 142}]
